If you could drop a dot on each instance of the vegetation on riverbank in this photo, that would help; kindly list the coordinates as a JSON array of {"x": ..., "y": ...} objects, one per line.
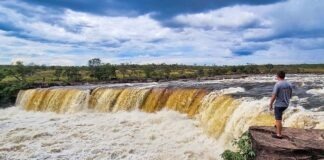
[
  {"x": 96, "y": 71},
  {"x": 8, "y": 92},
  {"x": 19, "y": 76},
  {"x": 244, "y": 146}
]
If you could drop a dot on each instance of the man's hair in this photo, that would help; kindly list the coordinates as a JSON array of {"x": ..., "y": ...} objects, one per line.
[{"x": 281, "y": 74}]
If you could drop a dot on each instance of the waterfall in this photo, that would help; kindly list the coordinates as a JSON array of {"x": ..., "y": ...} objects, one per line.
[
  {"x": 59, "y": 100},
  {"x": 220, "y": 115},
  {"x": 130, "y": 99},
  {"x": 156, "y": 99},
  {"x": 103, "y": 99}
]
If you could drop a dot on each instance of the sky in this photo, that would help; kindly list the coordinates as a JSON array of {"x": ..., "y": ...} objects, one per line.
[{"x": 211, "y": 32}]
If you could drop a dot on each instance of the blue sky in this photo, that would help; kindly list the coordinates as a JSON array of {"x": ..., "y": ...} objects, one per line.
[{"x": 70, "y": 32}]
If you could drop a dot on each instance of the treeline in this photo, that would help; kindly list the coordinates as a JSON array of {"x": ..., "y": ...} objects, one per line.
[
  {"x": 19, "y": 76},
  {"x": 97, "y": 71}
]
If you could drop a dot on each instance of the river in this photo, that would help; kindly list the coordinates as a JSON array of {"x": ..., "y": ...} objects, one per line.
[{"x": 168, "y": 120}]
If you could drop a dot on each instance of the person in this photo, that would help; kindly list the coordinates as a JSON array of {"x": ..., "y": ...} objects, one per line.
[{"x": 281, "y": 95}]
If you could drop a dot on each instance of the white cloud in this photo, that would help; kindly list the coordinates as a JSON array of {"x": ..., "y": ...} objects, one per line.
[
  {"x": 71, "y": 38},
  {"x": 228, "y": 17},
  {"x": 98, "y": 28},
  {"x": 292, "y": 19}
]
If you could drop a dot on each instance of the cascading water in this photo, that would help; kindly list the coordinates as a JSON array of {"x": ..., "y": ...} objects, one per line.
[
  {"x": 222, "y": 109},
  {"x": 215, "y": 110},
  {"x": 103, "y": 99},
  {"x": 155, "y": 100},
  {"x": 59, "y": 100}
]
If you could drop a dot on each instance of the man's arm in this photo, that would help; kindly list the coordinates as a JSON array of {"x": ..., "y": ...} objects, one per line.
[
  {"x": 274, "y": 95},
  {"x": 273, "y": 98},
  {"x": 290, "y": 90}
]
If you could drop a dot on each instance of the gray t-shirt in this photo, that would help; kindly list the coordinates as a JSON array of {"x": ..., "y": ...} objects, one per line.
[{"x": 283, "y": 92}]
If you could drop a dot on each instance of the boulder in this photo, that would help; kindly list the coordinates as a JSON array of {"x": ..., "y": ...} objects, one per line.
[{"x": 301, "y": 144}]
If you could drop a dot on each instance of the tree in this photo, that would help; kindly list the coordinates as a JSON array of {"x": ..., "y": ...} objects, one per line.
[
  {"x": 159, "y": 74},
  {"x": 200, "y": 72},
  {"x": 122, "y": 70},
  {"x": 138, "y": 73},
  {"x": 2, "y": 76},
  {"x": 58, "y": 73},
  {"x": 104, "y": 72},
  {"x": 94, "y": 62},
  {"x": 222, "y": 71},
  {"x": 19, "y": 71},
  {"x": 94, "y": 65},
  {"x": 241, "y": 69},
  {"x": 269, "y": 67},
  {"x": 215, "y": 71},
  {"x": 167, "y": 72},
  {"x": 210, "y": 73},
  {"x": 148, "y": 71},
  {"x": 233, "y": 69},
  {"x": 251, "y": 69},
  {"x": 111, "y": 71},
  {"x": 181, "y": 72},
  {"x": 72, "y": 74}
]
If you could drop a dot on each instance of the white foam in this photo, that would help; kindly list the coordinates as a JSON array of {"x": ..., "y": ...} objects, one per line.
[
  {"x": 318, "y": 91},
  {"x": 232, "y": 90},
  {"x": 121, "y": 135},
  {"x": 246, "y": 113}
]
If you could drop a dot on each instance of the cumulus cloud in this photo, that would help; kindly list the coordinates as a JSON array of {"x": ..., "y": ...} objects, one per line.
[
  {"x": 227, "y": 18},
  {"x": 165, "y": 9},
  {"x": 286, "y": 32},
  {"x": 140, "y": 28},
  {"x": 295, "y": 18}
]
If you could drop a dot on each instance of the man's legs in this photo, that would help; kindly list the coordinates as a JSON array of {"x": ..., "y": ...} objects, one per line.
[
  {"x": 278, "y": 115},
  {"x": 279, "y": 127}
]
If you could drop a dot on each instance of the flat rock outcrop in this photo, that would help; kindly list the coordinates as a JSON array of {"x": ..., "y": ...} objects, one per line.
[{"x": 301, "y": 144}]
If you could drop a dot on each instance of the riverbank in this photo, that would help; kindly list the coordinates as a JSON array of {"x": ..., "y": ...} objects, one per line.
[{"x": 296, "y": 143}]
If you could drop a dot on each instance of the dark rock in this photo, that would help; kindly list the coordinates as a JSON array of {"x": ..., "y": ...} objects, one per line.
[{"x": 296, "y": 144}]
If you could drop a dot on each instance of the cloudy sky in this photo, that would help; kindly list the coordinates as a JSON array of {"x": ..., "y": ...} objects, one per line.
[{"x": 221, "y": 32}]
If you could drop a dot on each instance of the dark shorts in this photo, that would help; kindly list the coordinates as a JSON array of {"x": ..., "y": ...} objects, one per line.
[{"x": 278, "y": 112}]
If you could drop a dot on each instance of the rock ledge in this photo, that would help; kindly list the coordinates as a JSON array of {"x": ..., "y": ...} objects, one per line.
[{"x": 297, "y": 143}]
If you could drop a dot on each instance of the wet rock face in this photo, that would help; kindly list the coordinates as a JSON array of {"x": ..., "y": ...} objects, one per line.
[{"x": 298, "y": 144}]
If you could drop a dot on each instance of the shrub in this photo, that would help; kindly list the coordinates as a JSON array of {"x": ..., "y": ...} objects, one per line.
[
  {"x": 244, "y": 145},
  {"x": 9, "y": 91}
]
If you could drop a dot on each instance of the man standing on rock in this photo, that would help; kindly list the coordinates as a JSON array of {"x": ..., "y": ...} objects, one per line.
[{"x": 281, "y": 95}]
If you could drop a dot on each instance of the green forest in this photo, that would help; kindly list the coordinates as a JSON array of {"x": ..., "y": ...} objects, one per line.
[{"x": 19, "y": 76}]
